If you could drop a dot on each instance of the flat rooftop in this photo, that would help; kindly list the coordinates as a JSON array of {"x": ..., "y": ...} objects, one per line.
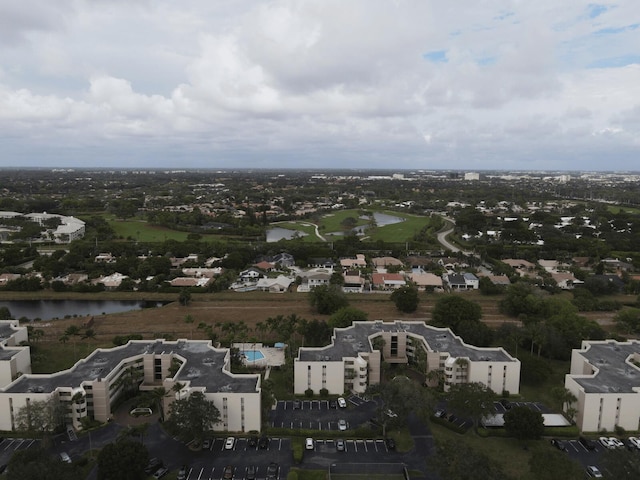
[
  {"x": 351, "y": 341},
  {"x": 614, "y": 374},
  {"x": 203, "y": 367}
]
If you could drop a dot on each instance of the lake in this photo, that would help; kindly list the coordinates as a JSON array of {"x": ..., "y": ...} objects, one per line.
[
  {"x": 50, "y": 309},
  {"x": 278, "y": 233}
]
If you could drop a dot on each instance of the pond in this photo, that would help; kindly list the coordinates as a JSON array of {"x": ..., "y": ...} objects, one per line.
[
  {"x": 383, "y": 219},
  {"x": 50, "y": 309},
  {"x": 278, "y": 233}
]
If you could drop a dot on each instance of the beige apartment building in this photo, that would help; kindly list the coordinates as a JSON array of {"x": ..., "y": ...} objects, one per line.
[
  {"x": 353, "y": 360},
  {"x": 93, "y": 385},
  {"x": 605, "y": 379}
]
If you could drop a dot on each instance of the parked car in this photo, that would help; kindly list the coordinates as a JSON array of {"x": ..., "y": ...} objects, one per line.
[
  {"x": 229, "y": 443},
  {"x": 635, "y": 441},
  {"x": 593, "y": 471},
  {"x": 252, "y": 442},
  {"x": 64, "y": 456},
  {"x": 263, "y": 443},
  {"x": 308, "y": 443},
  {"x": 340, "y": 445},
  {"x": 390, "y": 443},
  {"x": 604, "y": 441},
  {"x": 272, "y": 471},
  {"x": 342, "y": 403},
  {"x": 182, "y": 473},
  {"x": 251, "y": 473},
  {"x": 587, "y": 443},
  {"x": 616, "y": 442},
  {"x": 161, "y": 472},
  {"x": 440, "y": 413},
  {"x": 227, "y": 473},
  {"x": 342, "y": 425},
  {"x": 333, "y": 404},
  {"x": 206, "y": 444},
  {"x": 559, "y": 444},
  {"x": 153, "y": 465}
]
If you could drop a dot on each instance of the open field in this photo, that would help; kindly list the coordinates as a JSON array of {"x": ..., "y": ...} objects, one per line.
[
  {"x": 144, "y": 232},
  {"x": 400, "y": 232}
]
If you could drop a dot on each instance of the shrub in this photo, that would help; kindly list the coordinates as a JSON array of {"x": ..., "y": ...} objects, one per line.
[
  {"x": 324, "y": 392},
  {"x": 308, "y": 393}
]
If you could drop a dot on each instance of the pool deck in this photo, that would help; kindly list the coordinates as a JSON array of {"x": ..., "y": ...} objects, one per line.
[{"x": 273, "y": 357}]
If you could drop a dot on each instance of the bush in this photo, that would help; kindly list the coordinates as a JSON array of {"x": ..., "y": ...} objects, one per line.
[
  {"x": 308, "y": 393},
  {"x": 324, "y": 392}
]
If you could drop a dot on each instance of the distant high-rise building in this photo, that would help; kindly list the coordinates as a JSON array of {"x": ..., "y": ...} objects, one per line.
[{"x": 472, "y": 176}]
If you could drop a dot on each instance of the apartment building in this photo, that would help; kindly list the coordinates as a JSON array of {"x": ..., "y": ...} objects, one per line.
[
  {"x": 353, "y": 360},
  {"x": 605, "y": 379},
  {"x": 93, "y": 385}
]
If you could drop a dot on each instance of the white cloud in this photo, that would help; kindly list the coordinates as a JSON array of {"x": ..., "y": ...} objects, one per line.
[{"x": 298, "y": 80}]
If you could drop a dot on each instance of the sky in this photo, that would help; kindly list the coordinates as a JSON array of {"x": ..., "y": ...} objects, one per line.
[{"x": 389, "y": 84}]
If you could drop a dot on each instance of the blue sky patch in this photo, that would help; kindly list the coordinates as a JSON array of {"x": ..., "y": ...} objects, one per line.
[
  {"x": 595, "y": 10},
  {"x": 614, "y": 30},
  {"x": 615, "y": 62},
  {"x": 437, "y": 56}
]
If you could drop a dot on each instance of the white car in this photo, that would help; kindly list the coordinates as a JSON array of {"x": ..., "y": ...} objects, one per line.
[
  {"x": 593, "y": 471},
  {"x": 342, "y": 425},
  {"x": 635, "y": 441},
  {"x": 64, "y": 456},
  {"x": 308, "y": 444},
  {"x": 616, "y": 442},
  {"x": 342, "y": 403},
  {"x": 229, "y": 443},
  {"x": 605, "y": 442}
]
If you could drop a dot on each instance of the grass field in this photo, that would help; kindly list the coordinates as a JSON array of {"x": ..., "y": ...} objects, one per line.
[
  {"x": 144, "y": 232},
  {"x": 400, "y": 232}
]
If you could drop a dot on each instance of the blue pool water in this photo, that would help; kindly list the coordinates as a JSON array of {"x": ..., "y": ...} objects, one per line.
[{"x": 253, "y": 355}]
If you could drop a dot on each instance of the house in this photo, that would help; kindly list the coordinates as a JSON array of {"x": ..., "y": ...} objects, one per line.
[
  {"x": 384, "y": 262},
  {"x": 177, "y": 262},
  {"x": 499, "y": 280},
  {"x": 202, "y": 272},
  {"x": 464, "y": 281},
  {"x": 111, "y": 282},
  {"x": 105, "y": 257},
  {"x": 353, "y": 360},
  {"x": 7, "y": 277},
  {"x": 349, "y": 263},
  {"x": 312, "y": 280},
  {"x": 451, "y": 264},
  {"x": 387, "y": 281},
  {"x": 280, "y": 284},
  {"x": 265, "y": 266},
  {"x": 522, "y": 267},
  {"x": 284, "y": 260},
  {"x": 67, "y": 230},
  {"x": 327, "y": 263},
  {"x": 565, "y": 280},
  {"x": 251, "y": 273},
  {"x": 549, "y": 265},
  {"x": 353, "y": 282},
  {"x": 73, "y": 278},
  {"x": 190, "y": 282},
  {"x": 426, "y": 281},
  {"x": 605, "y": 379},
  {"x": 93, "y": 387}
]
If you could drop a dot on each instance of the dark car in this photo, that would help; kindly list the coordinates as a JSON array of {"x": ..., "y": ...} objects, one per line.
[
  {"x": 272, "y": 471},
  {"x": 333, "y": 404},
  {"x": 251, "y": 473},
  {"x": 297, "y": 404},
  {"x": 390, "y": 443},
  {"x": 263, "y": 443},
  {"x": 587, "y": 443},
  {"x": 252, "y": 442},
  {"x": 153, "y": 465},
  {"x": 559, "y": 444},
  {"x": 227, "y": 474}
]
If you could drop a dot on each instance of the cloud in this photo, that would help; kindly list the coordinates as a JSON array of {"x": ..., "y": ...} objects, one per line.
[{"x": 285, "y": 83}]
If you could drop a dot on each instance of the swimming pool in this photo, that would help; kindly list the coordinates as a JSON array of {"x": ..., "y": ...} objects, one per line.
[{"x": 253, "y": 355}]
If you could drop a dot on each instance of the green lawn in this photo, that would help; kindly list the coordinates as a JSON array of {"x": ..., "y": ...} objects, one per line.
[
  {"x": 144, "y": 232},
  {"x": 400, "y": 232},
  {"x": 331, "y": 222}
]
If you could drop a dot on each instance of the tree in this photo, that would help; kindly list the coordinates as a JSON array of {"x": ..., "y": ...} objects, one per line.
[
  {"x": 554, "y": 465},
  {"x": 327, "y": 299},
  {"x": 346, "y": 316},
  {"x": 123, "y": 460},
  {"x": 42, "y": 416},
  {"x": 401, "y": 396},
  {"x": 473, "y": 400},
  {"x": 449, "y": 311},
  {"x": 628, "y": 320},
  {"x": 523, "y": 423},
  {"x": 406, "y": 299},
  {"x": 5, "y": 313},
  {"x": 193, "y": 416},
  {"x": 454, "y": 460},
  {"x": 185, "y": 297},
  {"x": 39, "y": 464}
]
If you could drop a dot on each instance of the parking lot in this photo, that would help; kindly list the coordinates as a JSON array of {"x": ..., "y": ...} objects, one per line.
[
  {"x": 352, "y": 446},
  {"x": 8, "y": 446},
  {"x": 321, "y": 414}
]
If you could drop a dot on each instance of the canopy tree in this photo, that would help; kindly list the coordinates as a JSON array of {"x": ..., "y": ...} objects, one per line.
[
  {"x": 473, "y": 400},
  {"x": 122, "y": 460},
  {"x": 523, "y": 423},
  {"x": 327, "y": 299},
  {"x": 406, "y": 299},
  {"x": 193, "y": 416}
]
